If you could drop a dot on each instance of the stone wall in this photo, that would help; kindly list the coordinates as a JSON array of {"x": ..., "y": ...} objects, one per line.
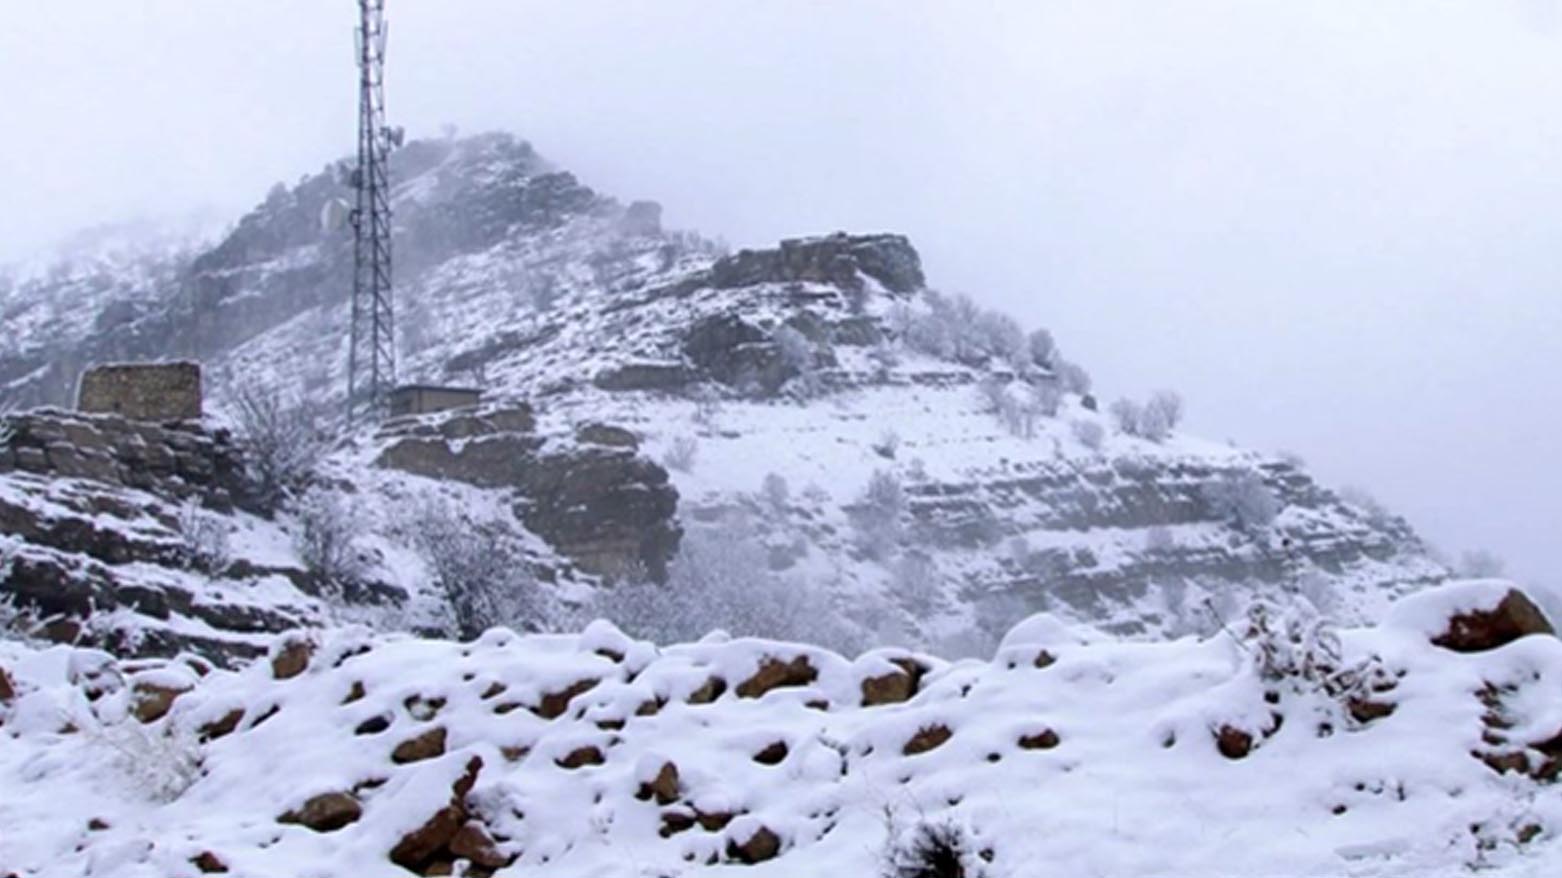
[
  {"x": 177, "y": 463},
  {"x": 143, "y": 391}
]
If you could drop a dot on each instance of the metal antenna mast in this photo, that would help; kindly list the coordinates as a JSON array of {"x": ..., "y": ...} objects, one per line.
[{"x": 371, "y": 358}]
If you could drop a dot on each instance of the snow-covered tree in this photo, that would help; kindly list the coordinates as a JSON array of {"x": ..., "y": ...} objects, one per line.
[
  {"x": 1242, "y": 499},
  {"x": 281, "y": 440},
  {"x": 484, "y": 578}
]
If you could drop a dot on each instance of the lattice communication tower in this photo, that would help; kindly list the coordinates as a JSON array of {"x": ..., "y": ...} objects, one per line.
[{"x": 371, "y": 359}]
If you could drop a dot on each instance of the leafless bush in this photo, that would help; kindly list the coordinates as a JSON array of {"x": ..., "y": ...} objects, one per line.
[
  {"x": 1090, "y": 434},
  {"x": 482, "y": 575},
  {"x": 325, "y": 536},
  {"x": 777, "y": 493},
  {"x": 281, "y": 440},
  {"x": 877, "y": 512},
  {"x": 681, "y": 453},
  {"x": 1126, "y": 414},
  {"x": 916, "y": 584},
  {"x": 1294, "y": 643},
  {"x": 203, "y": 538},
  {"x": 719, "y": 580},
  {"x": 1073, "y": 377},
  {"x": 887, "y": 445},
  {"x": 1243, "y": 500},
  {"x": 707, "y": 403},
  {"x": 933, "y": 850}
]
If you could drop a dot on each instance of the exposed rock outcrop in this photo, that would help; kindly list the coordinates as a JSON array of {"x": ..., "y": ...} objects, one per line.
[{"x": 600, "y": 503}]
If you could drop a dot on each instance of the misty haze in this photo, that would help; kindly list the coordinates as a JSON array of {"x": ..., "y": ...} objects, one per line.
[{"x": 877, "y": 439}]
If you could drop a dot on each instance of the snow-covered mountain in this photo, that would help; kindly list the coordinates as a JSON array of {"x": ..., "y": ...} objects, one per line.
[{"x": 817, "y": 411}]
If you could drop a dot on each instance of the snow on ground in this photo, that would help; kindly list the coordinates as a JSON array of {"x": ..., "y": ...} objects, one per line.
[{"x": 1130, "y": 782}]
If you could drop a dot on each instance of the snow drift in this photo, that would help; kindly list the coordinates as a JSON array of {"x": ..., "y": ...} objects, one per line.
[{"x": 344, "y": 753}]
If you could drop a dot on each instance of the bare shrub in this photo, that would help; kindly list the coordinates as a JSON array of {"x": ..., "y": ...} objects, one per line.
[
  {"x": 876, "y": 514},
  {"x": 884, "y": 358},
  {"x": 483, "y": 577},
  {"x": 1242, "y": 499},
  {"x": 1041, "y": 347},
  {"x": 887, "y": 444},
  {"x": 1164, "y": 409},
  {"x": 1073, "y": 377},
  {"x": 203, "y": 538},
  {"x": 776, "y": 492},
  {"x": 1294, "y": 643},
  {"x": 1090, "y": 434},
  {"x": 681, "y": 453},
  {"x": 719, "y": 580},
  {"x": 916, "y": 584},
  {"x": 281, "y": 441},
  {"x": 707, "y": 403},
  {"x": 934, "y": 850},
  {"x": 1126, "y": 414},
  {"x": 159, "y": 761},
  {"x": 325, "y": 537}
]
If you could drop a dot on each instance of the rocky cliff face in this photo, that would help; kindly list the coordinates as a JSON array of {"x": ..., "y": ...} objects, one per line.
[{"x": 902, "y": 450}]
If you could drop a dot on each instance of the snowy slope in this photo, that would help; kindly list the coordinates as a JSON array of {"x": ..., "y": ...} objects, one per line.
[
  {"x": 774, "y": 385},
  {"x": 1067, "y": 753}
]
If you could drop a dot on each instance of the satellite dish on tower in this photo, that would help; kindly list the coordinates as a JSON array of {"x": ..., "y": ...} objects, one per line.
[{"x": 333, "y": 215}]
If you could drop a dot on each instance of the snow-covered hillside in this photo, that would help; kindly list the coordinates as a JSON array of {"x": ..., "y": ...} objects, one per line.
[
  {"x": 1425, "y": 746},
  {"x": 919, "y": 465}
]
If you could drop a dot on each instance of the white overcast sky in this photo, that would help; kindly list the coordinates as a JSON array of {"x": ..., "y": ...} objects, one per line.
[{"x": 1335, "y": 227}]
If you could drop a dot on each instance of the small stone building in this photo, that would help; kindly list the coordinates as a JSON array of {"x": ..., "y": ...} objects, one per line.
[
  {"x": 142, "y": 391},
  {"x": 421, "y": 399}
]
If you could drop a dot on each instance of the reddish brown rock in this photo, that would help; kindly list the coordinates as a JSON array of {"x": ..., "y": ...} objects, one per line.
[
  {"x": 713, "y": 821},
  {"x": 893, "y": 687},
  {"x": 772, "y": 754},
  {"x": 222, "y": 726},
  {"x": 1233, "y": 742},
  {"x": 152, "y": 701},
  {"x": 423, "y": 708},
  {"x": 291, "y": 659},
  {"x": 581, "y": 757},
  {"x": 417, "y": 847},
  {"x": 775, "y": 674},
  {"x": 427, "y": 745},
  {"x": 761, "y": 846},
  {"x": 663, "y": 787},
  {"x": 1045, "y": 739},
  {"x": 1365, "y": 710},
  {"x": 60, "y": 629},
  {"x": 355, "y": 693},
  {"x": 7, "y": 688},
  {"x": 927, "y": 738},
  {"x": 472, "y": 842},
  {"x": 1503, "y": 763},
  {"x": 709, "y": 691},
  {"x": 676, "y": 821},
  {"x": 209, "y": 863},
  {"x": 326, "y": 812},
  {"x": 1514, "y": 616},
  {"x": 554, "y": 704}
]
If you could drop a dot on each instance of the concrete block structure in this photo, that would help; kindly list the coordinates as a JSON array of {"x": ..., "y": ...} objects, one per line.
[
  {"x": 421, "y": 399},
  {"x": 142, "y": 391}
]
